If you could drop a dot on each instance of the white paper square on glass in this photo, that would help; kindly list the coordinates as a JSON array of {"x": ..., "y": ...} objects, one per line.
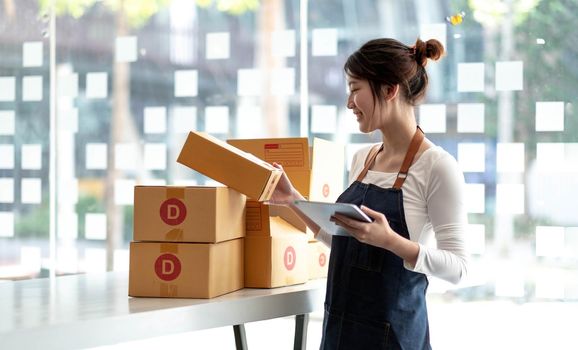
[
  {"x": 250, "y": 122},
  {"x": 32, "y": 54},
  {"x": 68, "y": 85},
  {"x": 249, "y": 82},
  {"x": 121, "y": 260},
  {"x": 95, "y": 226},
  {"x": 475, "y": 197},
  {"x": 126, "y": 49},
  {"x": 186, "y": 83},
  {"x": 155, "y": 120},
  {"x": 217, "y": 119},
  {"x": 96, "y": 85},
  {"x": 67, "y": 259},
  {"x": 6, "y": 190},
  {"x": 550, "y": 284},
  {"x": 124, "y": 192},
  {"x": 283, "y": 43},
  {"x": 510, "y": 157},
  {"x": 476, "y": 238},
  {"x": 218, "y": 46},
  {"x": 472, "y": 157},
  {"x": 549, "y": 156},
  {"x": 323, "y": 118},
  {"x": 7, "y": 89},
  {"x": 31, "y": 258},
  {"x": 283, "y": 82},
  {"x": 436, "y": 31},
  {"x": 126, "y": 154},
  {"x": 32, "y": 157},
  {"x": 184, "y": 119},
  {"x": 96, "y": 156},
  {"x": 510, "y": 198},
  {"x": 549, "y": 116},
  {"x": 470, "y": 77},
  {"x": 155, "y": 156},
  {"x": 509, "y": 76},
  {"x": 31, "y": 191},
  {"x": 32, "y": 89},
  {"x": 549, "y": 241},
  {"x": 94, "y": 260},
  {"x": 510, "y": 283},
  {"x": 6, "y": 223},
  {"x": 7, "y": 123},
  {"x": 471, "y": 117},
  {"x": 324, "y": 42},
  {"x": 432, "y": 118},
  {"x": 67, "y": 224},
  {"x": 6, "y": 156}
]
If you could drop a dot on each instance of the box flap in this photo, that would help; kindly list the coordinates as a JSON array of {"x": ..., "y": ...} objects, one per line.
[{"x": 291, "y": 153}]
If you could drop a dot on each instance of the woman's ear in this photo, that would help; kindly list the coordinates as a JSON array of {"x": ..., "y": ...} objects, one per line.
[{"x": 390, "y": 92}]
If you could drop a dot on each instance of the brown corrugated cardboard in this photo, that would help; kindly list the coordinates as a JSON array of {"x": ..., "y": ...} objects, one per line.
[
  {"x": 275, "y": 261},
  {"x": 185, "y": 270},
  {"x": 230, "y": 166},
  {"x": 269, "y": 219},
  {"x": 317, "y": 172},
  {"x": 318, "y": 260},
  {"x": 188, "y": 214}
]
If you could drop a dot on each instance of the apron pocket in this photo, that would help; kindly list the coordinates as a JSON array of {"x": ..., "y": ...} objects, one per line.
[{"x": 347, "y": 332}]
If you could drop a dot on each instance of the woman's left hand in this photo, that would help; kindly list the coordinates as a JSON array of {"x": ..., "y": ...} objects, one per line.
[{"x": 377, "y": 233}]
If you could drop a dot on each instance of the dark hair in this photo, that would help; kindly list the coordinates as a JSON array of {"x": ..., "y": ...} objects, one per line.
[{"x": 387, "y": 62}]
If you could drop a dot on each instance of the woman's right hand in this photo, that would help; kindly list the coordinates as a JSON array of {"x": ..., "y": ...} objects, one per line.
[{"x": 284, "y": 193}]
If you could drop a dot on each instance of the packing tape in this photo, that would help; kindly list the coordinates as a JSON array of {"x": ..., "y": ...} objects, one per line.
[
  {"x": 169, "y": 289},
  {"x": 175, "y": 234}
]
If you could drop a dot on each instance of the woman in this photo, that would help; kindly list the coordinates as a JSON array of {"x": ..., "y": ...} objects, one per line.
[{"x": 412, "y": 189}]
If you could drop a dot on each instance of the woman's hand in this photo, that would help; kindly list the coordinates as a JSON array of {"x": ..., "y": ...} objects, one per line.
[
  {"x": 284, "y": 193},
  {"x": 377, "y": 233}
]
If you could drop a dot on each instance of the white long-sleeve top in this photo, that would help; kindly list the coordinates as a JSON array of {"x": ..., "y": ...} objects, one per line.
[{"x": 435, "y": 213}]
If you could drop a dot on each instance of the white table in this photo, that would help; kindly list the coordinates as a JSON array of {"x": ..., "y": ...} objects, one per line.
[{"x": 91, "y": 310}]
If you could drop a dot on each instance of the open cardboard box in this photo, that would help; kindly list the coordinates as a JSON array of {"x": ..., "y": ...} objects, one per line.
[{"x": 229, "y": 165}]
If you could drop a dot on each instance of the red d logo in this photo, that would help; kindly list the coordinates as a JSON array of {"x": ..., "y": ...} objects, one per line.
[
  {"x": 325, "y": 190},
  {"x": 168, "y": 267},
  {"x": 173, "y": 211},
  {"x": 289, "y": 258},
  {"x": 322, "y": 259}
]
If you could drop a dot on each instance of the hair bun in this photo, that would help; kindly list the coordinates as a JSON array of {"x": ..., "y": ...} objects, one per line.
[{"x": 431, "y": 49}]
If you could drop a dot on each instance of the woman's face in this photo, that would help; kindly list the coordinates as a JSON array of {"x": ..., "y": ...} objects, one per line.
[{"x": 362, "y": 103}]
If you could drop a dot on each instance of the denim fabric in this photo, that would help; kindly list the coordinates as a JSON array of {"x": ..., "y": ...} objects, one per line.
[{"x": 372, "y": 300}]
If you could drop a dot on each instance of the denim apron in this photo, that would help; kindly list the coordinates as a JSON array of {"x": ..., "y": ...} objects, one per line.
[{"x": 372, "y": 300}]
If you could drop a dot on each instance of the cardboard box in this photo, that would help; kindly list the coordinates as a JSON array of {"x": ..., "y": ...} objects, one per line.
[
  {"x": 318, "y": 260},
  {"x": 185, "y": 270},
  {"x": 188, "y": 214},
  {"x": 275, "y": 261},
  {"x": 316, "y": 172},
  {"x": 230, "y": 166},
  {"x": 266, "y": 219}
]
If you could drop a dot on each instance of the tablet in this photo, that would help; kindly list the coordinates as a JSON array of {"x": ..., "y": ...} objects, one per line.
[{"x": 321, "y": 212}]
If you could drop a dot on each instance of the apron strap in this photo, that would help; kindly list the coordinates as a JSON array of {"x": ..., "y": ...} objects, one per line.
[
  {"x": 409, "y": 156},
  {"x": 369, "y": 161}
]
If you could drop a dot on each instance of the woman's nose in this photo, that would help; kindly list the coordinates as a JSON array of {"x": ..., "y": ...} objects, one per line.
[{"x": 350, "y": 104}]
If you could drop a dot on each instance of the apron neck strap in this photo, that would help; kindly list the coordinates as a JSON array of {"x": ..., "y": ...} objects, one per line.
[{"x": 409, "y": 156}]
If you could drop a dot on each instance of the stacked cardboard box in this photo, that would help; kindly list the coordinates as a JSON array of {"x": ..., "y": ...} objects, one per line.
[
  {"x": 187, "y": 242},
  {"x": 316, "y": 172}
]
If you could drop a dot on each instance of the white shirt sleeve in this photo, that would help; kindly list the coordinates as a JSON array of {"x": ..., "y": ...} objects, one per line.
[{"x": 447, "y": 213}]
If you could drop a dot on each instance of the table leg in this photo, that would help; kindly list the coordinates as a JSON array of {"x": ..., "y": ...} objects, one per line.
[
  {"x": 301, "y": 322},
  {"x": 240, "y": 336}
]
